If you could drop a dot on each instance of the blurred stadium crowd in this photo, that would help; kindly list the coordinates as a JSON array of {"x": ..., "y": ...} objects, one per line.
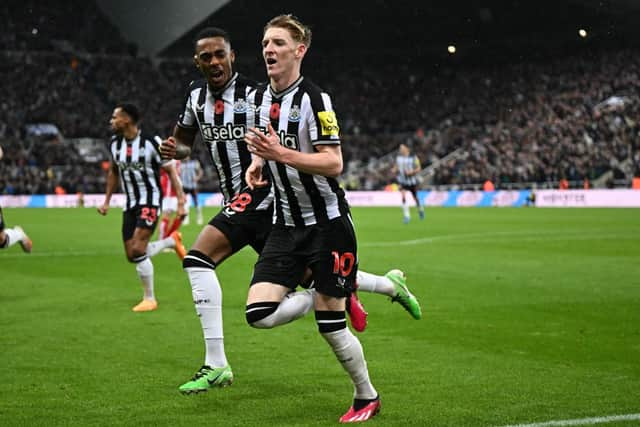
[{"x": 518, "y": 123}]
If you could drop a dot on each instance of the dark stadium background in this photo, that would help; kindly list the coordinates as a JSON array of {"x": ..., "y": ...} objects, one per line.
[
  {"x": 522, "y": 102},
  {"x": 530, "y": 314}
]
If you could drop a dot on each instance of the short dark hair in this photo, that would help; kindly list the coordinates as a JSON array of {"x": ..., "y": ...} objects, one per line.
[
  {"x": 207, "y": 32},
  {"x": 131, "y": 110}
]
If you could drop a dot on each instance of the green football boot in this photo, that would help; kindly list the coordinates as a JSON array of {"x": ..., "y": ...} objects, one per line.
[
  {"x": 403, "y": 296},
  {"x": 206, "y": 378}
]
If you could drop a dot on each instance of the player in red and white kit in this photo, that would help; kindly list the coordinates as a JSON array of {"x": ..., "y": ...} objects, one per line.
[{"x": 169, "y": 205}]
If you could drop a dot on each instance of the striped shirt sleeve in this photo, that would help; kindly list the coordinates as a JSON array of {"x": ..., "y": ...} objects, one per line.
[
  {"x": 323, "y": 122},
  {"x": 187, "y": 118}
]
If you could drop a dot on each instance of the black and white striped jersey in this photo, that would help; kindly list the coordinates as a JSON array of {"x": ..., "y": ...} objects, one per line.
[
  {"x": 188, "y": 173},
  {"x": 139, "y": 165},
  {"x": 304, "y": 118},
  {"x": 405, "y": 164},
  {"x": 223, "y": 117}
]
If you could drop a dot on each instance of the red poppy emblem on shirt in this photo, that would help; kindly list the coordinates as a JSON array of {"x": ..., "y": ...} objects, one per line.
[
  {"x": 274, "y": 112},
  {"x": 128, "y": 151},
  {"x": 219, "y": 106}
]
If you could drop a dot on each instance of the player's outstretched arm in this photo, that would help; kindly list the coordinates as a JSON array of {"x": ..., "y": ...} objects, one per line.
[{"x": 112, "y": 183}]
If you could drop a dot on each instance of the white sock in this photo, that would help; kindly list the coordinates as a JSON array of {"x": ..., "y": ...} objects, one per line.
[
  {"x": 368, "y": 282},
  {"x": 207, "y": 298},
  {"x": 14, "y": 235},
  {"x": 405, "y": 209},
  {"x": 348, "y": 350},
  {"x": 162, "y": 228},
  {"x": 145, "y": 273},
  {"x": 293, "y": 306},
  {"x": 156, "y": 246}
]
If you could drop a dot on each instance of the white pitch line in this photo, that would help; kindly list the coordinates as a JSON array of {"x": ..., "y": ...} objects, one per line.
[
  {"x": 398, "y": 243},
  {"x": 525, "y": 236},
  {"x": 581, "y": 421},
  {"x": 492, "y": 236},
  {"x": 443, "y": 237},
  {"x": 50, "y": 254}
]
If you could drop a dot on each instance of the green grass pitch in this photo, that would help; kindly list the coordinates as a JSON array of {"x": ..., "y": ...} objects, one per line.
[{"x": 531, "y": 315}]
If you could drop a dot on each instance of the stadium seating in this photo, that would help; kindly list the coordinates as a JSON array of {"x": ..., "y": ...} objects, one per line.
[{"x": 522, "y": 121}]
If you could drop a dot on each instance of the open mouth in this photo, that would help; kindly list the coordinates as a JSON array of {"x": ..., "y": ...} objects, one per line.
[
  {"x": 271, "y": 61},
  {"x": 216, "y": 74}
]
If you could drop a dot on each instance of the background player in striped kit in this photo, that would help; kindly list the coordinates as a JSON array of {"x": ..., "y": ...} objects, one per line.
[
  {"x": 11, "y": 236},
  {"x": 407, "y": 167},
  {"x": 136, "y": 164},
  {"x": 218, "y": 106},
  {"x": 312, "y": 224},
  {"x": 190, "y": 174}
]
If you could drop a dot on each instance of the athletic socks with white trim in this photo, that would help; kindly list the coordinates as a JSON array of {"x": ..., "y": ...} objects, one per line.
[
  {"x": 368, "y": 282},
  {"x": 14, "y": 235},
  {"x": 144, "y": 267},
  {"x": 266, "y": 315},
  {"x": 348, "y": 350},
  {"x": 207, "y": 299},
  {"x": 155, "y": 247},
  {"x": 405, "y": 211},
  {"x": 199, "y": 220}
]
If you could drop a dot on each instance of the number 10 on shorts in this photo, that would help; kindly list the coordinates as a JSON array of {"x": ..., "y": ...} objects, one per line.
[{"x": 343, "y": 263}]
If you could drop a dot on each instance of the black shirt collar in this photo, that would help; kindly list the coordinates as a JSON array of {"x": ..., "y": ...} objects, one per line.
[
  {"x": 291, "y": 88},
  {"x": 225, "y": 87}
]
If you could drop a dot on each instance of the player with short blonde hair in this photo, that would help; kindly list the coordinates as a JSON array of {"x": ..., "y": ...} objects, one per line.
[{"x": 299, "y": 142}]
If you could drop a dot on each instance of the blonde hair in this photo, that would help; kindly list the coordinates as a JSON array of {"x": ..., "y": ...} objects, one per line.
[{"x": 299, "y": 32}]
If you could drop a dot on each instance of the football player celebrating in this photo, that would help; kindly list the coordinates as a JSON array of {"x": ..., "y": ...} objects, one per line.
[
  {"x": 221, "y": 108},
  {"x": 136, "y": 164},
  {"x": 299, "y": 138}
]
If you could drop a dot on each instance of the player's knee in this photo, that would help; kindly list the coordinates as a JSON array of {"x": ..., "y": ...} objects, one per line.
[
  {"x": 257, "y": 314},
  {"x": 136, "y": 253},
  {"x": 197, "y": 259}
]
